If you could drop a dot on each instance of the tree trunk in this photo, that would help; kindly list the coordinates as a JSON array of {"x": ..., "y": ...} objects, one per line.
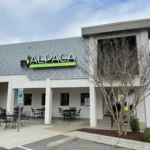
[{"x": 119, "y": 129}]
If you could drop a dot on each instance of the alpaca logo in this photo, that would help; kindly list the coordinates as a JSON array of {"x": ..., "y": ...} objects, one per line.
[
  {"x": 63, "y": 60},
  {"x": 25, "y": 63}
]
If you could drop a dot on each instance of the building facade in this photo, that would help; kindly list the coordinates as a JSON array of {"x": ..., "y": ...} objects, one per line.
[{"x": 53, "y": 85}]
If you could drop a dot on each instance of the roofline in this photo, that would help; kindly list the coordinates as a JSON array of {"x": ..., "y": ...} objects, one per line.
[
  {"x": 115, "y": 27},
  {"x": 48, "y": 40}
]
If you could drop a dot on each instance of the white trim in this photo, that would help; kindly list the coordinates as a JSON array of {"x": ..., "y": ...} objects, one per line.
[
  {"x": 21, "y": 81},
  {"x": 69, "y": 83},
  {"x": 48, "y": 102},
  {"x": 10, "y": 97},
  {"x": 114, "y": 35},
  {"x": 93, "y": 115}
]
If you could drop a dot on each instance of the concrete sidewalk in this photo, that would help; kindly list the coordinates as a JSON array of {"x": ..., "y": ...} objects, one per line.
[{"x": 10, "y": 138}]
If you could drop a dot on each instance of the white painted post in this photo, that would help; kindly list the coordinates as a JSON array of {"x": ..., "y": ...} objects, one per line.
[
  {"x": 99, "y": 104},
  {"x": 143, "y": 107},
  {"x": 48, "y": 102},
  {"x": 10, "y": 97},
  {"x": 92, "y": 64},
  {"x": 93, "y": 114},
  {"x": 147, "y": 110}
]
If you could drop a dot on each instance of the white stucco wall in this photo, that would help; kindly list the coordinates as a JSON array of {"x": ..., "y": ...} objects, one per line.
[
  {"x": 3, "y": 94},
  {"x": 74, "y": 100},
  {"x": 36, "y": 98},
  {"x": 147, "y": 105},
  {"x": 74, "y": 87},
  {"x": 142, "y": 41},
  {"x": 141, "y": 111},
  {"x": 21, "y": 81},
  {"x": 74, "y": 94}
]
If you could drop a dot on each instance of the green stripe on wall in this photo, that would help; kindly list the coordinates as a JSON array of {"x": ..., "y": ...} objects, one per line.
[{"x": 48, "y": 65}]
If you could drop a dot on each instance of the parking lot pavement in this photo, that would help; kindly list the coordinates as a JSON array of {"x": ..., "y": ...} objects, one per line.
[
  {"x": 40, "y": 145},
  {"x": 78, "y": 144},
  {"x": 17, "y": 148},
  {"x": 1, "y": 148}
]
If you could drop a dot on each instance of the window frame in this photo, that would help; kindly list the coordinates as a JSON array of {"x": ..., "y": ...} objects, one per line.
[
  {"x": 82, "y": 96},
  {"x": 68, "y": 97},
  {"x": 42, "y": 99},
  {"x": 24, "y": 100}
]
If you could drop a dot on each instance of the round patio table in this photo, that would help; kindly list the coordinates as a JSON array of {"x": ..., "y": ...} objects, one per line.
[
  {"x": 69, "y": 113},
  {"x": 14, "y": 118},
  {"x": 41, "y": 110}
]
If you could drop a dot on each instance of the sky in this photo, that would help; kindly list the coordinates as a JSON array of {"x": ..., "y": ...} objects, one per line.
[{"x": 34, "y": 20}]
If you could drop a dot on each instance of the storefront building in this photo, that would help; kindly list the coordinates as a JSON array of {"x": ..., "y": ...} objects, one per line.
[{"x": 49, "y": 72}]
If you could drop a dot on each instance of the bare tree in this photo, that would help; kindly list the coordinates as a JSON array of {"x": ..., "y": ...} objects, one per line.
[{"x": 121, "y": 70}]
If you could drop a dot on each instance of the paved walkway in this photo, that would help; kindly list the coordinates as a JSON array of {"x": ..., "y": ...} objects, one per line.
[
  {"x": 67, "y": 126},
  {"x": 36, "y": 137},
  {"x": 10, "y": 138},
  {"x": 78, "y": 144},
  {"x": 81, "y": 144}
]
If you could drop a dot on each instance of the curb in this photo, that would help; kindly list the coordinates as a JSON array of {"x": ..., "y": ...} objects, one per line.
[
  {"x": 136, "y": 145},
  {"x": 62, "y": 141}
]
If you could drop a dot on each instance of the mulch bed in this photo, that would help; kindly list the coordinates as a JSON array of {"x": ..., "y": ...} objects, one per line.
[{"x": 137, "y": 136}]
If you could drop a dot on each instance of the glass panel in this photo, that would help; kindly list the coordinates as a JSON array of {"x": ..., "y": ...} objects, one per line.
[
  {"x": 85, "y": 100},
  {"x": 27, "y": 99},
  {"x": 43, "y": 99},
  {"x": 64, "y": 99}
]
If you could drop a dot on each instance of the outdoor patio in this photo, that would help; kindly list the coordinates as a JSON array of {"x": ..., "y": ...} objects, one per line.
[
  {"x": 38, "y": 131},
  {"x": 58, "y": 124},
  {"x": 69, "y": 125}
]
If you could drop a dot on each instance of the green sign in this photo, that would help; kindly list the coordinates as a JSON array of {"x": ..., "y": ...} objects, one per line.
[
  {"x": 20, "y": 96},
  {"x": 49, "y": 61},
  {"x": 48, "y": 65}
]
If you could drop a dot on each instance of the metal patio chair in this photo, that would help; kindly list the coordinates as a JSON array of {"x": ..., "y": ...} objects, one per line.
[
  {"x": 35, "y": 113},
  {"x": 8, "y": 120},
  {"x": 67, "y": 115},
  {"x": 25, "y": 117},
  {"x": 77, "y": 114},
  {"x": 61, "y": 114}
]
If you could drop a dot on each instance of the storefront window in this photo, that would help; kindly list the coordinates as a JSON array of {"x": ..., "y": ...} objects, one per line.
[
  {"x": 85, "y": 100},
  {"x": 64, "y": 99},
  {"x": 43, "y": 99},
  {"x": 27, "y": 99}
]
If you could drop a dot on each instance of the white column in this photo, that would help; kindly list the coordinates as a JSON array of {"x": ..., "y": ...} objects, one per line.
[
  {"x": 48, "y": 102},
  {"x": 147, "y": 111},
  {"x": 99, "y": 104},
  {"x": 93, "y": 116},
  {"x": 10, "y": 97},
  {"x": 92, "y": 68},
  {"x": 144, "y": 37},
  {"x": 143, "y": 107}
]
